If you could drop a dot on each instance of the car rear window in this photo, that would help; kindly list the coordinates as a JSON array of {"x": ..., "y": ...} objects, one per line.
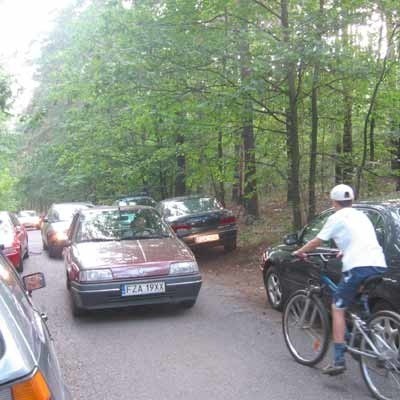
[
  {"x": 27, "y": 214},
  {"x": 194, "y": 205},
  {"x": 66, "y": 212}
]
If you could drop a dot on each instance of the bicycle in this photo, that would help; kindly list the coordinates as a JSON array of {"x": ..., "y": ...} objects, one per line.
[{"x": 373, "y": 338}]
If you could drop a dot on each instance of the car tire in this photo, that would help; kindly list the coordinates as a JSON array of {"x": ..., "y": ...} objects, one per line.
[
  {"x": 45, "y": 247},
  {"x": 188, "y": 303},
  {"x": 382, "y": 305},
  {"x": 273, "y": 287},
  {"x": 77, "y": 311},
  {"x": 26, "y": 253},
  {"x": 231, "y": 246},
  {"x": 68, "y": 283},
  {"x": 53, "y": 253}
]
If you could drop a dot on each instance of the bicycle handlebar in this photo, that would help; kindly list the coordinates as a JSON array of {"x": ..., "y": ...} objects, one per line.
[{"x": 323, "y": 256}]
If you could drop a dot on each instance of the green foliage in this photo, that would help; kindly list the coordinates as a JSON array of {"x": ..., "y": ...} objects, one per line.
[{"x": 118, "y": 85}]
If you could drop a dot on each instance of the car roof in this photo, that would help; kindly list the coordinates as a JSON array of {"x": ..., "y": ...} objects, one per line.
[
  {"x": 181, "y": 198},
  {"x": 111, "y": 208}
]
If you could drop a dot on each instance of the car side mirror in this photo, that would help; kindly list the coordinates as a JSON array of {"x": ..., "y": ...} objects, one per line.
[
  {"x": 291, "y": 239},
  {"x": 34, "y": 281}
]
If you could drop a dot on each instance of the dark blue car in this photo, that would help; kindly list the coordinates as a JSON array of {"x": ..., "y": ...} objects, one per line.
[{"x": 284, "y": 273}]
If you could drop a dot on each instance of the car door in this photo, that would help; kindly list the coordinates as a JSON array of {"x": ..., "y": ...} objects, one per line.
[{"x": 20, "y": 234}]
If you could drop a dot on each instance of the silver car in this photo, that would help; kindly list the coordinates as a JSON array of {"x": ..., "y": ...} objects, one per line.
[{"x": 28, "y": 365}]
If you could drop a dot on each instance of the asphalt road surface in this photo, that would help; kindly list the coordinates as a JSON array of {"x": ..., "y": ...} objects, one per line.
[{"x": 224, "y": 348}]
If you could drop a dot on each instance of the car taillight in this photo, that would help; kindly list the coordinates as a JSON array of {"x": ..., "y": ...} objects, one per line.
[
  {"x": 227, "y": 220},
  {"x": 177, "y": 227},
  {"x": 34, "y": 388}
]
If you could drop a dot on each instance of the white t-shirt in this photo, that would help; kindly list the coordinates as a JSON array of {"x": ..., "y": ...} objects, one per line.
[{"x": 355, "y": 237}]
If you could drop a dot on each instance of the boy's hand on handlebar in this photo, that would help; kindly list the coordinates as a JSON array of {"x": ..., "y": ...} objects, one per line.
[{"x": 300, "y": 254}]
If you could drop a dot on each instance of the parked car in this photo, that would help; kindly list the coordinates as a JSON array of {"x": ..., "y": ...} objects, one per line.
[
  {"x": 29, "y": 219},
  {"x": 14, "y": 238},
  {"x": 29, "y": 368},
  {"x": 136, "y": 201},
  {"x": 55, "y": 226},
  {"x": 127, "y": 256},
  {"x": 200, "y": 221},
  {"x": 284, "y": 273}
]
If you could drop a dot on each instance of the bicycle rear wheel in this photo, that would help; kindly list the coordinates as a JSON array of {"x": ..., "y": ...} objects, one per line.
[
  {"x": 306, "y": 328},
  {"x": 382, "y": 373}
]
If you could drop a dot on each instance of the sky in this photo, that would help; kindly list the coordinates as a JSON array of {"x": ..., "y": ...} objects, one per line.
[{"x": 23, "y": 24}]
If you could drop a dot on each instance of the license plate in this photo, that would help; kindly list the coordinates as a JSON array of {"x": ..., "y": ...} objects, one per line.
[
  {"x": 139, "y": 289},
  {"x": 206, "y": 238}
]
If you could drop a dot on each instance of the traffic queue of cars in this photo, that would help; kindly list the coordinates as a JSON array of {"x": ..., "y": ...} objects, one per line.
[{"x": 131, "y": 253}]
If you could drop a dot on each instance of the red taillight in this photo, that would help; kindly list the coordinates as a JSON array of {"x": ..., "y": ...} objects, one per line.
[
  {"x": 177, "y": 227},
  {"x": 227, "y": 220}
]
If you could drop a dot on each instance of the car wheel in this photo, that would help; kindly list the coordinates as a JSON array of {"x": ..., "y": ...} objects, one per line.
[
  {"x": 77, "y": 311},
  {"x": 44, "y": 245},
  {"x": 274, "y": 289},
  {"x": 20, "y": 267},
  {"x": 382, "y": 305},
  {"x": 188, "y": 303},
  {"x": 230, "y": 246},
  {"x": 53, "y": 252}
]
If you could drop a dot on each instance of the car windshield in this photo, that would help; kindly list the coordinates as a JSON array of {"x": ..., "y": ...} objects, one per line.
[
  {"x": 107, "y": 225},
  {"x": 27, "y": 214},
  {"x": 193, "y": 205},
  {"x": 65, "y": 212}
]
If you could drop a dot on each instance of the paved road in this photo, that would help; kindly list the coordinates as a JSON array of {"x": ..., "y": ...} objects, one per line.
[{"x": 223, "y": 349}]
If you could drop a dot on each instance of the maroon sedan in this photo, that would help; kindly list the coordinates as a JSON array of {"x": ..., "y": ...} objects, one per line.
[
  {"x": 126, "y": 256},
  {"x": 13, "y": 239}
]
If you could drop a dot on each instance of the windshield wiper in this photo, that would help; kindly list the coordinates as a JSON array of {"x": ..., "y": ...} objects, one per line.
[
  {"x": 153, "y": 236},
  {"x": 98, "y": 240}
]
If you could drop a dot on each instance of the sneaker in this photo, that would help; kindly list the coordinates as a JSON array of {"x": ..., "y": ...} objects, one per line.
[{"x": 334, "y": 369}]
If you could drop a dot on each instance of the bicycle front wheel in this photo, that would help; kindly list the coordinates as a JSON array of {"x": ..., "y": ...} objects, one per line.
[
  {"x": 306, "y": 328},
  {"x": 381, "y": 369}
]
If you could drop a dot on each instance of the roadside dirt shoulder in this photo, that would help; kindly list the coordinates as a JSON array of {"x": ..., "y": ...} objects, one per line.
[{"x": 239, "y": 269}]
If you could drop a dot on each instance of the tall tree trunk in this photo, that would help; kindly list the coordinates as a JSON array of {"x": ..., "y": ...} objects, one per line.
[
  {"x": 250, "y": 180},
  {"x": 347, "y": 155},
  {"x": 292, "y": 126},
  {"x": 221, "y": 170},
  {"x": 314, "y": 127},
  {"x": 238, "y": 178},
  {"x": 180, "y": 178}
]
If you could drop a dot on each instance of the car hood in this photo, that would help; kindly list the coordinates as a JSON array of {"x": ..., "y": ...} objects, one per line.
[{"x": 130, "y": 253}]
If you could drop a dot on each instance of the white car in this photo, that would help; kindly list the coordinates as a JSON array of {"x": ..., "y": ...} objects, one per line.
[{"x": 29, "y": 218}]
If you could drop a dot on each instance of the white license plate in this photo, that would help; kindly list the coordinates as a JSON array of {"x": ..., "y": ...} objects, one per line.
[
  {"x": 139, "y": 289},
  {"x": 206, "y": 238}
]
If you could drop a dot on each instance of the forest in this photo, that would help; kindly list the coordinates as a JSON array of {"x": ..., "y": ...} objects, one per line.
[{"x": 241, "y": 99}]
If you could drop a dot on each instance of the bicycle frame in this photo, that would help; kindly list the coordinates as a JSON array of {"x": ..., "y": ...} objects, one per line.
[{"x": 359, "y": 326}]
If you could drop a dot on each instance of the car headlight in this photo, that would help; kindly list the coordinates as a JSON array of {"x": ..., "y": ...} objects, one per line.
[
  {"x": 187, "y": 267},
  {"x": 93, "y": 275}
]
